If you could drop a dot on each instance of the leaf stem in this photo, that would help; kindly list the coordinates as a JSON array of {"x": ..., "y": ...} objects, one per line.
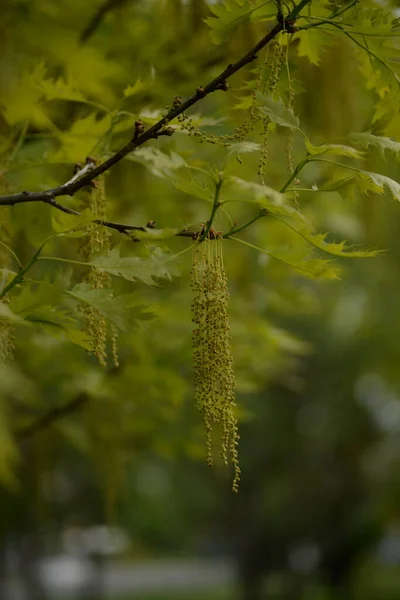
[
  {"x": 296, "y": 171},
  {"x": 215, "y": 207},
  {"x": 12, "y": 254},
  {"x": 262, "y": 213},
  {"x": 20, "y": 275},
  {"x": 65, "y": 260}
]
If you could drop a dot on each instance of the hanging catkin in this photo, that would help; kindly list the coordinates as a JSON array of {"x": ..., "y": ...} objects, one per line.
[
  {"x": 6, "y": 328},
  {"x": 97, "y": 239},
  {"x": 212, "y": 358}
]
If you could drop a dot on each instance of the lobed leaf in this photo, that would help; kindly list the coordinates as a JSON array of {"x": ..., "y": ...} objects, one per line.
[
  {"x": 123, "y": 311},
  {"x": 276, "y": 111},
  {"x": 134, "y": 268},
  {"x": 337, "y": 149},
  {"x": 367, "y": 139}
]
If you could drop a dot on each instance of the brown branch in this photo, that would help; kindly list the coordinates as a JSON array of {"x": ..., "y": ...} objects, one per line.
[
  {"x": 51, "y": 417},
  {"x": 95, "y": 21},
  {"x": 141, "y": 137}
]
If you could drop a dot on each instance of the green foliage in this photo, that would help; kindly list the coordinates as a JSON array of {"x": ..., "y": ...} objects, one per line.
[{"x": 63, "y": 101}]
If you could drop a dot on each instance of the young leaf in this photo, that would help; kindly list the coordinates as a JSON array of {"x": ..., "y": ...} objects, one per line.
[
  {"x": 337, "y": 149},
  {"x": 136, "y": 88},
  {"x": 194, "y": 187},
  {"x": 367, "y": 139},
  {"x": 336, "y": 249},
  {"x": 59, "y": 324},
  {"x": 378, "y": 183},
  {"x": 157, "y": 162},
  {"x": 154, "y": 234},
  {"x": 7, "y": 313},
  {"x": 71, "y": 226},
  {"x": 56, "y": 89},
  {"x": 273, "y": 201},
  {"x": 134, "y": 268},
  {"x": 276, "y": 111},
  {"x": 229, "y": 14},
  {"x": 122, "y": 311},
  {"x": 303, "y": 264},
  {"x": 34, "y": 296}
]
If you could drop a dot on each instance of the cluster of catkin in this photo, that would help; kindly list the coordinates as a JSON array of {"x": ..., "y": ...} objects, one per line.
[
  {"x": 212, "y": 357},
  {"x": 97, "y": 239},
  {"x": 6, "y": 328}
]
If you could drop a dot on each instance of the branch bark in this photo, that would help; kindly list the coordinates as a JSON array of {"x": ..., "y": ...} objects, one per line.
[
  {"x": 219, "y": 83},
  {"x": 51, "y": 417}
]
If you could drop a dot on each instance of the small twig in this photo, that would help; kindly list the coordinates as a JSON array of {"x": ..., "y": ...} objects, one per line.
[
  {"x": 51, "y": 417},
  {"x": 219, "y": 83},
  {"x": 103, "y": 9}
]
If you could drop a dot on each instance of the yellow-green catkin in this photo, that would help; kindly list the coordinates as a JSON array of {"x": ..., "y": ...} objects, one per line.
[
  {"x": 214, "y": 376},
  {"x": 269, "y": 90},
  {"x": 7, "y": 330},
  {"x": 290, "y": 138},
  {"x": 97, "y": 239}
]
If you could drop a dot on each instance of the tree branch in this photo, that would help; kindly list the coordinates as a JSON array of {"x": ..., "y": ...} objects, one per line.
[
  {"x": 141, "y": 137},
  {"x": 51, "y": 416},
  {"x": 101, "y": 12}
]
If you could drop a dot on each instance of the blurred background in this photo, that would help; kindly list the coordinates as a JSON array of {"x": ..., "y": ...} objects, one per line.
[{"x": 115, "y": 499}]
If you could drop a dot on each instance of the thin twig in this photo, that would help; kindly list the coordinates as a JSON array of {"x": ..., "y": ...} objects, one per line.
[
  {"x": 51, "y": 417},
  {"x": 99, "y": 15},
  {"x": 140, "y": 138}
]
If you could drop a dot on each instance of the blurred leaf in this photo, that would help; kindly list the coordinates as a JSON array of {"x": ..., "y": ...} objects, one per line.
[
  {"x": 229, "y": 15},
  {"x": 35, "y": 295},
  {"x": 336, "y": 249},
  {"x": 276, "y": 111},
  {"x": 157, "y": 162},
  {"x": 7, "y": 313},
  {"x": 123, "y": 311},
  {"x": 303, "y": 264},
  {"x": 133, "y": 268},
  {"x": 337, "y": 149},
  {"x": 55, "y": 89},
  {"x": 273, "y": 201},
  {"x": 60, "y": 325},
  {"x": 71, "y": 226},
  {"x": 367, "y": 139}
]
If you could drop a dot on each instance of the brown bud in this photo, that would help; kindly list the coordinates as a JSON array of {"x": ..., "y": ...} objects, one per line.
[
  {"x": 177, "y": 101},
  {"x": 223, "y": 86},
  {"x": 150, "y": 224},
  {"x": 200, "y": 91}
]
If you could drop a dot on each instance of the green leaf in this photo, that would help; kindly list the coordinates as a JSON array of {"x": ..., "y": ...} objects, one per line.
[
  {"x": 134, "y": 268},
  {"x": 56, "y": 89},
  {"x": 276, "y": 111},
  {"x": 194, "y": 187},
  {"x": 367, "y": 139},
  {"x": 232, "y": 13},
  {"x": 60, "y": 325},
  {"x": 303, "y": 264},
  {"x": 154, "y": 234},
  {"x": 337, "y": 149},
  {"x": 229, "y": 15},
  {"x": 377, "y": 183},
  {"x": 244, "y": 148},
  {"x": 71, "y": 226},
  {"x": 157, "y": 162},
  {"x": 336, "y": 249},
  {"x": 136, "y": 88},
  {"x": 123, "y": 311},
  {"x": 236, "y": 189},
  {"x": 311, "y": 44},
  {"x": 35, "y": 296},
  {"x": 7, "y": 313}
]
